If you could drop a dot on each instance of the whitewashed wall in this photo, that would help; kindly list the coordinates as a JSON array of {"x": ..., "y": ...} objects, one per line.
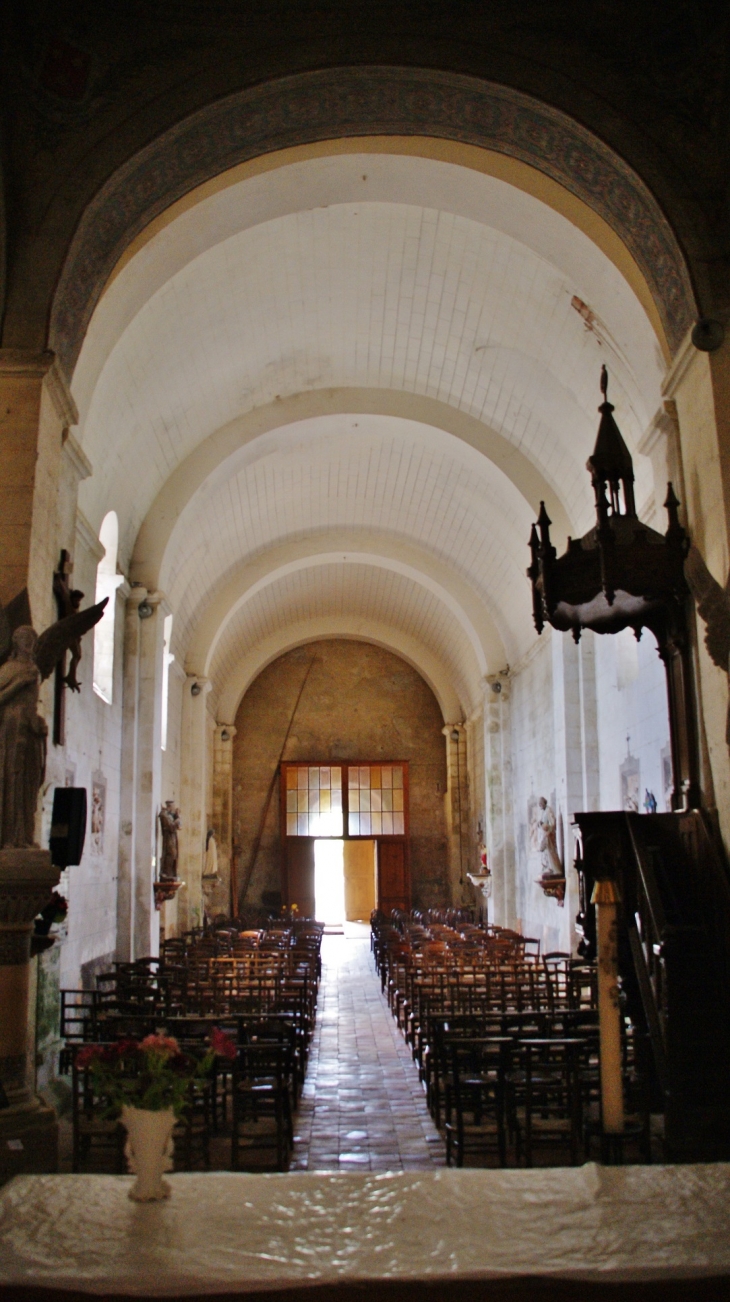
[
  {"x": 572, "y": 709},
  {"x": 93, "y": 746},
  {"x": 632, "y": 703}
]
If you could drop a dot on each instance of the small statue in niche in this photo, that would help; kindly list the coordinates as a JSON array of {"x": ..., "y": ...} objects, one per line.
[
  {"x": 170, "y": 825},
  {"x": 547, "y": 841},
  {"x": 650, "y": 802},
  {"x": 210, "y": 863},
  {"x": 25, "y": 661}
]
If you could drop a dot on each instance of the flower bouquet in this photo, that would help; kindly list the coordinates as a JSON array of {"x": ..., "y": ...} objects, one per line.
[{"x": 148, "y": 1083}]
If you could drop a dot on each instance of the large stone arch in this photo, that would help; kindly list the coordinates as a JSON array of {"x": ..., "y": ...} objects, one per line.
[
  {"x": 418, "y": 656},
  {"x": 222, "y": 448},
  {"x": 451, "y": 589},
  {"x": 352, "y": 102}
]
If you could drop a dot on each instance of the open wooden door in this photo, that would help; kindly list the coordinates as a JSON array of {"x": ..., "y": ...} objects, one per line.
[
  {"x": 299, "y": 884},
  {"x": 359, "y": 869},
  {"x": 394, "y": 887}
]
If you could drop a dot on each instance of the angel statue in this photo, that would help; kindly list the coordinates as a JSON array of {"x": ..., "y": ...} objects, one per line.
[
  {"x": 25, "y": 661},
  {"x": 713, "y": 604}
]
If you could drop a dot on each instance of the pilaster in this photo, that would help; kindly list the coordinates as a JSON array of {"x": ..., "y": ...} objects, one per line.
[
  {"x": 36, "y": 408},
  {"x": 193, "y": 789},
  {"x": 500, "y": 833},
  {"x": 457, "y": 810},
  {"x": 223, "y": 813},
  {"x": 141, "y": 772}
]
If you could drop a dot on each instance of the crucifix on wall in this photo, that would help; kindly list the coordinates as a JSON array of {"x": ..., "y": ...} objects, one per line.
[{"x": 68, "y": 602}]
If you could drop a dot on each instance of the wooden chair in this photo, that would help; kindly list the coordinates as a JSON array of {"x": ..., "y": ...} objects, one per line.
[
  {"x": 543, "y": 1096},
  {"x": 261, "y": 1102},
  {"x": 475, "y": 1099},
  {"x": 95, "y": 1133}
]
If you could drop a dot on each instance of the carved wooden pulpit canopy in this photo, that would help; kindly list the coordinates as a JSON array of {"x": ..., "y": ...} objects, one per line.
[{"x": 622, "y": 574}]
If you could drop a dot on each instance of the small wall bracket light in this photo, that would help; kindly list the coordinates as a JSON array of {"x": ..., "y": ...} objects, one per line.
[
  {"x": 708, "y": 334},
  {"x": 225, "y": 735},
  {"x": 496, "y": 687},
  {"x": 144, "y": 609},
  {"x": 196, "y": 689}
]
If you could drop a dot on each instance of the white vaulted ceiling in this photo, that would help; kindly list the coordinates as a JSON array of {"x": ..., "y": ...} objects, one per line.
[{"x": 468, "y": 298}]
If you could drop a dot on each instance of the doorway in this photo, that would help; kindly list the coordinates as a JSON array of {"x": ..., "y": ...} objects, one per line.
[{"x": 344, "y": 881}]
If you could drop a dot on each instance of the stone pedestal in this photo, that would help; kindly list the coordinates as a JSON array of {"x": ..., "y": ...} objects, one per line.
[{"x": 28, "y": 1129}]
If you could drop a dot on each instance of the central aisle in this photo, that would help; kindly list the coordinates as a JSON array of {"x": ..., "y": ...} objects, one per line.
[{"x": 362, "y": 1106}]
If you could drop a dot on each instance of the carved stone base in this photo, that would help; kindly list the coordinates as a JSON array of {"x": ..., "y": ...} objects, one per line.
[
  {"x": 28, "y": 1140},
  {"x": 554, "y": 887},
  {"x": 166, "y": 889},
  {"x": 28, "y": 1129},
  {"x": 27, "y": 878}
]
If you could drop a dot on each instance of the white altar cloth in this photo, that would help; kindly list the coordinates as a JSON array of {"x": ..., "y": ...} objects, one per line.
[{"x": 234, "y": 1233}]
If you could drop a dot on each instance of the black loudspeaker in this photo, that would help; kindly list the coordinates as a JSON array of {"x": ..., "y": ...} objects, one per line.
[{"x": 68, "y": 826}]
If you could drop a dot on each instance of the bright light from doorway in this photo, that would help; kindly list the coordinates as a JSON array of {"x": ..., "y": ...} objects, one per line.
[{"x": 329, "y": 882}]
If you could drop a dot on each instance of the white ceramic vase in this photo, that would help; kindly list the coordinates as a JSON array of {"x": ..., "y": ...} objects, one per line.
[{"x": 149, "y": 1149}]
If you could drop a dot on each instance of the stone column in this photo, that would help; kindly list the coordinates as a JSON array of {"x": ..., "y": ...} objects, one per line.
[
  {"x": 138, "y": 931},
  {"x": 28, "y": 1129},
  {"x": 500, "y": 831},
  {"x": 457, "y": 811},
  {"x": 697, "y": 391},
  {"x": 223, "y": 812},
  {"x": 36, "y": 408},
  {"x": 193, "y": 802},
  {"x": 576, "y": 756}
]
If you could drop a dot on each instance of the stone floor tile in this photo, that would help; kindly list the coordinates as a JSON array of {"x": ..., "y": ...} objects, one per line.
[{"x": 362, "y": 1095}]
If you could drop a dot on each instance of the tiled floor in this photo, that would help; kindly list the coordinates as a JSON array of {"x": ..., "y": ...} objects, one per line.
[{"x": 363, "y": 1106}]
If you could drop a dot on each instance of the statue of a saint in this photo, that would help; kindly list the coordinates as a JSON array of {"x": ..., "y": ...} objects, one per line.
[
  {"x": 25, "y": 661},
  {"x": 547, "y": 841},
  {"x": 210, "y": 863},
  {"x": 169, "y": 826},
  {"x": 22, "y": 741}
]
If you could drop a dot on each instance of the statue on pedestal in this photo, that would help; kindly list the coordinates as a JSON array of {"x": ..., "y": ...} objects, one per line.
[
  {"x": 547, "y": 841},
  {"x": 169, "y": 825}
]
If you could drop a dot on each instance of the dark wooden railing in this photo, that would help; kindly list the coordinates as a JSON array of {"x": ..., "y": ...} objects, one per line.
[{"x": 674, "y": 957}]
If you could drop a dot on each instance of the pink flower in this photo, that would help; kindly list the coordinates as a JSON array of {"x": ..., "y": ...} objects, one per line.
[
  {"x": 162, "y": 1044},
  {"x": 88, "y": 1055},
  {"x": 222, "y": 1044}
]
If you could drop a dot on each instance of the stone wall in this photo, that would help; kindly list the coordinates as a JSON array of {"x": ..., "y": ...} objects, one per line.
[
  {"x": 360, "y": 702},
  {"x": 572, "y": 710}
]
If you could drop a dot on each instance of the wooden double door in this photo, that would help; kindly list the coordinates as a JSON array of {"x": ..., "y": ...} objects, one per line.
[{"x": 384, "y": 885}]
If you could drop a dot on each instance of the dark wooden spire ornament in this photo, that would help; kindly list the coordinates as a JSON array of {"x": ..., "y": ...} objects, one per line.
[{"x": 622, "y": 574}]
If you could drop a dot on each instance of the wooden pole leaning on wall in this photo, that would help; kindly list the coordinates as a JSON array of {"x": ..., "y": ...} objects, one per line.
[
  {"x": 272, "y": 787},
  {"x": 606, "y": 898}
]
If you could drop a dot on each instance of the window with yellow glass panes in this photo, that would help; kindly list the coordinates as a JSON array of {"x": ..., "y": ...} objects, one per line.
[{"x": 344, "y": 800}]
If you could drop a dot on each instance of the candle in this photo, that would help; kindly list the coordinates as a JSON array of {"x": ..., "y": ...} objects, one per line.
[{"x": 606, "y": 898}]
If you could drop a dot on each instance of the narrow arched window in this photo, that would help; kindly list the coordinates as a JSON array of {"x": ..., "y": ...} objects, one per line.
[{"x": 107, "y": 582}]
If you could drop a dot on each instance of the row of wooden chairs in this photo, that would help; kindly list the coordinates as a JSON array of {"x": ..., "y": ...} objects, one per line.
[
  {"x": 507, "y": 1048},
  {"x": 265, "y": 1000}
]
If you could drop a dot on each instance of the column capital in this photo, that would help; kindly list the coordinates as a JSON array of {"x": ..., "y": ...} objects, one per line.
[
  {"x": 157, "y": 600},
  {"x": 225, "y": 732},
  {"x": 29, "y": 364},
  {"x": 200, "y": 681},
  {"x": 496, "y": 687},
  {"x": 76, "y": 456}
]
